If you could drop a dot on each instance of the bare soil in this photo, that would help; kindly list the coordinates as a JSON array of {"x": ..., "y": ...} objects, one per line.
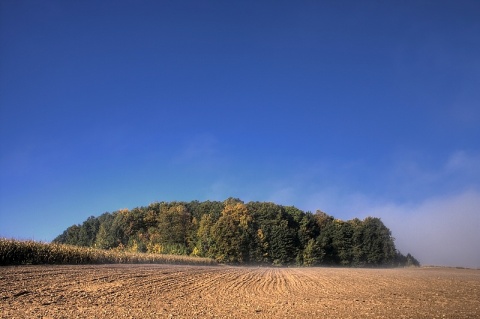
[{"x": 168, "y": 291}]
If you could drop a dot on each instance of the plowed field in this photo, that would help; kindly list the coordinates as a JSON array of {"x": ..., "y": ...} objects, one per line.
[{"x": 166, "y": 291}]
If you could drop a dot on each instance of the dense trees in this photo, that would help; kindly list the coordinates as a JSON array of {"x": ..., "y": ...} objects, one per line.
[{"x": 236, "y": 232}]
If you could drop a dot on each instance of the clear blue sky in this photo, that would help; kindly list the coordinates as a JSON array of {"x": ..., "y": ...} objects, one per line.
[{"x": 356, "y": 108}]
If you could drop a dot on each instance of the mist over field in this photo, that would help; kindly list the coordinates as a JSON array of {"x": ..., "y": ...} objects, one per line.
[{"x": 439, "y": 231}]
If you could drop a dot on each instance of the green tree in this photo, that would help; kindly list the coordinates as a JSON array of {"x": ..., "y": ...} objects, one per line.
[
  {"x": 342, "y": 242},
  {"x": 174, "y": 224},
  {"x": 378, "y": 243},
  {"x": 313, "y": 253},
  {"x": 105, "y": 237},
  {"x": 205, "y": 246},
  {"x": 358, "y": 254},
  {"x": 411, "y": 261},
  {"x": 282, "y": 242},
  {"x": 231, "y": 233}
]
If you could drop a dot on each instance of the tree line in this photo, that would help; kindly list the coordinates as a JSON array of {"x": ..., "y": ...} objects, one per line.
[{"x": 236, "y": 232}]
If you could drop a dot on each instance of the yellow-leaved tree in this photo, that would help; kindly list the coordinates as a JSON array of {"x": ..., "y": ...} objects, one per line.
[{"x": 231, "y": 233}]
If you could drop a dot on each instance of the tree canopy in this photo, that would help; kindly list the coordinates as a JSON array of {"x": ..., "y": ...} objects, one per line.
[{"x": 236, "y": 232}]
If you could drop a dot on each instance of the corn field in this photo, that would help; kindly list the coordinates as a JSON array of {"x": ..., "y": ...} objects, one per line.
[{"x": 16, "y": 252}]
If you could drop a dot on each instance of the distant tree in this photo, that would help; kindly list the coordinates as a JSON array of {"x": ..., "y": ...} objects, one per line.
[
  {"x": 325, "y": 239},
  {"x": 358, "y": 253},
  {"x": 342, "y": 242},
  {"x": 281, "y": 242},
  {"x": 411, "y": 261},
  {"x": 313, "y": 253},
  {"x": 88, "y": 232},
  {"x": 70, "y": 236},
  {"x": 174, "y": 223},
  {"x": 205, "y": 246},
  {"x": 378, "y": 245},
  {"x": 323, "y": 219},
  {"x": 107, "y": 235},
  {"x": 232, "y": 201},
  {"x": 105, "y": 238},
  {"x": 308, "y": 229},
  {"x": 151, "y": 215},
  {"x": 231, "y": 233}
]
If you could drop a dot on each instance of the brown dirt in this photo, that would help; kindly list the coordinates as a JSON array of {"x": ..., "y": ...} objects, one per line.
[{"x": 166, "y": 291}]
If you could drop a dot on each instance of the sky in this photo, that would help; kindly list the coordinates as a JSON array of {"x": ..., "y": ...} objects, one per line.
[{"x": 355, "y": 108}]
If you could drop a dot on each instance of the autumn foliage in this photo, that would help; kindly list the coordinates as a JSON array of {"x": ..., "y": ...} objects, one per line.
[{"x": 236, "y": 232}]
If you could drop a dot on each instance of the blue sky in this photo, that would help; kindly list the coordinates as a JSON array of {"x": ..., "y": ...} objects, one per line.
[{"x": 355, "y": 108}]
